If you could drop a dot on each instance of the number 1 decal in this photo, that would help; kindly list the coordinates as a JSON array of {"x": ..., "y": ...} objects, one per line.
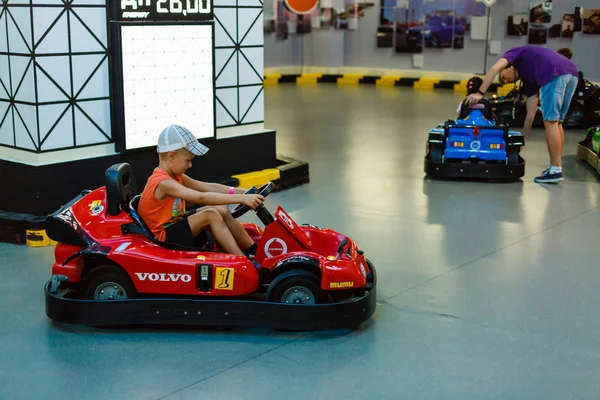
[{"x": 224, "y": 278}]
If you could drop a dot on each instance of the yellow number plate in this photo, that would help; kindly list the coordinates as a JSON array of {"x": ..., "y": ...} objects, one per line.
[{"x": 224, "y": 278}]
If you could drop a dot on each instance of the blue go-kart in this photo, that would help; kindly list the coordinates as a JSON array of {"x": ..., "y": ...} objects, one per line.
[{"x": 474, "y": 147}]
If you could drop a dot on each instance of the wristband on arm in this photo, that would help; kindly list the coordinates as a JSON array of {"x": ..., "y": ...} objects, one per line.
[{"x": 231, "y": 190}]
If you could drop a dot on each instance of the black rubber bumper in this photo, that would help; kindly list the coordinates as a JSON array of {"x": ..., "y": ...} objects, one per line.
[
  {"x": 452, "y": 170},
  {"x": 243, "y": 313}
]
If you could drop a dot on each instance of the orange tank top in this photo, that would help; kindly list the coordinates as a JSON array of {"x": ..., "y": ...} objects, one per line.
[{"x": 160, "y": 214}]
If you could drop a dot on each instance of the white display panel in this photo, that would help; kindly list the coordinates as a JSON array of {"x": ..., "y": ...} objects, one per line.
[{"x": 167, "y": 79}]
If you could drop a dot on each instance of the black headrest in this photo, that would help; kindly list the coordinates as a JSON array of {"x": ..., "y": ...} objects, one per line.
[
  {"x": 465, "y": 110},
  {"x": 120, "y": 187}
]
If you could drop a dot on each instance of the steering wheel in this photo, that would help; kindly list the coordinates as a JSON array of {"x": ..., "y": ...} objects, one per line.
[{"x": 264, "y": 191}]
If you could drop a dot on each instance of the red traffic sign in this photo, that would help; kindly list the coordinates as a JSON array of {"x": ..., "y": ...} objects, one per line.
[{"x": 301, "y": 6}]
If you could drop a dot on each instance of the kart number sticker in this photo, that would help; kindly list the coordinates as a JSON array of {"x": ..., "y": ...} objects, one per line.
[
  {"x": 96, "y": 207},
  {"x": 224, "y": 278},
  {"x": 286, "y": 219},
  {"x": 275, "y": 247}
]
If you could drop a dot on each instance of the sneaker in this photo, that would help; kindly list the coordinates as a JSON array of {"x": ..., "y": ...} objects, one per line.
[
  {"x": 256, "y": 264},
  {"x": 547, "y": 177}
]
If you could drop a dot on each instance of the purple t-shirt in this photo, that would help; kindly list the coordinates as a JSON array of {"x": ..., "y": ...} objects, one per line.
[{"x": 538, "y": 66}]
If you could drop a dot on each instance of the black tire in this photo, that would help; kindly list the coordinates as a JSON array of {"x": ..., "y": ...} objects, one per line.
[
  {"x": 289, "y": 286},
  {"x": 112, "y": 278},
  {"x": 512, "y": 158},
  {"x": 435, "y": 153}
]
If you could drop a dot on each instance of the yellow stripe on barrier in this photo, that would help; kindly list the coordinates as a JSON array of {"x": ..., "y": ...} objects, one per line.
[
  {"x": 426, "y": 83},
  {"x": 387, "y": 81},
  {"x": 309, "y": 79},
  {"x": 461, "y": 87},
  {"x": 271, "y": 79},
  {"x": 505, "y": 89},
  {"x": 38, "y": 238},
  {"x": 257, "y": 178},
  {"x": 350, "y": 79}
]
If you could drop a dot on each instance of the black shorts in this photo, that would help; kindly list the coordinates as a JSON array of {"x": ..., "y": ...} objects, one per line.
[{"x": 181, "y": 233}]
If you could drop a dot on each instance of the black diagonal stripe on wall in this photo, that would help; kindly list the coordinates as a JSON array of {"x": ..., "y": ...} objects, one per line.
[
  {"x": 224, "y": 65},
  {"x": 87, "y": 28},
  {"x": 26, "y": 129},
  {"x": 55, "y": 124},
  {"x": 5, "y": 114},
  {"x": 91, "y": 75},
  {"x": 251, "y": 66},
  {"x": 92, "y": 121},
  {"x": 52, "y": 80},
  {"x": 251, "y": 25},
  {"x": 19, "y": 30},
  {"x": 23, "y": 78},
  {"x": 35, "y": 46},
  {"x": 253, "y": 101},
  {"x": 224, "y": 30},
  {"x": 226, "y": 110},
  {"x": 5, "y": 88}
]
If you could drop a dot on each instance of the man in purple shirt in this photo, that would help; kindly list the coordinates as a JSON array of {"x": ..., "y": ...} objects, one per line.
[{"x": 545, "y": 74}]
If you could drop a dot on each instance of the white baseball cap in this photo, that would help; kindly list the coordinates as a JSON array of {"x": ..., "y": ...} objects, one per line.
[{"x": 175, "y": 137}]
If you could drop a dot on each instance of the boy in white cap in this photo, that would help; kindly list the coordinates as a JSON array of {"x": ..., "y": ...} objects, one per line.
[{"x": 162, "y": 205}]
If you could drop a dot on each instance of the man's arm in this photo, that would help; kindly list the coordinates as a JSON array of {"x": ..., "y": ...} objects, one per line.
[
  {"x": 532, "y": 103},
  {"x": 487, "y": 81},
  {"x": 491, "y": 74},
  {"x": 208, "y": 187}
]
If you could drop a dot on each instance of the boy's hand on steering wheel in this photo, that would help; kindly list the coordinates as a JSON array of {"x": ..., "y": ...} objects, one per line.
[
  {"x": 253, "y": 200},
  {"x": 473, "y": 98}
]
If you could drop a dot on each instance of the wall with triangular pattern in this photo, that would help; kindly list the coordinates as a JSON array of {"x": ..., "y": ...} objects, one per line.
[
  {"x": 239, "y": 58},
  {"x": 54, "y": 75},
  {"x": 54, "y": 71}
]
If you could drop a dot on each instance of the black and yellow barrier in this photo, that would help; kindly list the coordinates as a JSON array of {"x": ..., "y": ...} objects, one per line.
[{"x": 30, "y": 230}]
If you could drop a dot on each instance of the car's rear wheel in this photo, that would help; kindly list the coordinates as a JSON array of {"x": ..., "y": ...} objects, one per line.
[
  {"x": 296, "y": 286},
  {"x": 108, "y": 282},
  {"x": 512, "y": 158}
]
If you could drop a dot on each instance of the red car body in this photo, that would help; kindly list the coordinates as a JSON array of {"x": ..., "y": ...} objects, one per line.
[
  {"x": 154, "y": 269},
  {"x": 110, "y": 269}
]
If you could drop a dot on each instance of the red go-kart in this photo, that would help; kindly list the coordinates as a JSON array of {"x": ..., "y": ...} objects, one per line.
[{"x": 111, "y": 270}]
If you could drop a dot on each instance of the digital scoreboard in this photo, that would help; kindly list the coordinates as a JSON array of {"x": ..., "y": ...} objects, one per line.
[
  {"x": 163, "y": 69},
  {"x": 165, "y": 10}
]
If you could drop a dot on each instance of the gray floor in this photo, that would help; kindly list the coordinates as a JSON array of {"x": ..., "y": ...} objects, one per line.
[{"x": 486, "y": 291}]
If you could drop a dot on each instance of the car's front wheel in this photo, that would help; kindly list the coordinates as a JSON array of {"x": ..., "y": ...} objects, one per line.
[
  {"x": 108, "y": 282},
  {"x": 436, "y": 153},
  {"x": 296, "y": 286}
]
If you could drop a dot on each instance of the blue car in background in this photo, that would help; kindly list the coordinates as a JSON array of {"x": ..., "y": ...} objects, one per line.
[
  {"x": 438, "y": 31},
  {"x": 474, "y": 146}
]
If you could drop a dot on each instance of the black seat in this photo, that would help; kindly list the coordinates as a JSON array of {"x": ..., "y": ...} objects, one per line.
[
  {"x": 137, "y": 219},
  {"x": 120, "y": 187},
  {"x": 487, "y": 112}
]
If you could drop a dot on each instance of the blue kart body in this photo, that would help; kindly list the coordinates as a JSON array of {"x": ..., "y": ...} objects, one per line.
[
  {"x": 485, "y": 144},
  {"x": 475, "y": 147}
]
